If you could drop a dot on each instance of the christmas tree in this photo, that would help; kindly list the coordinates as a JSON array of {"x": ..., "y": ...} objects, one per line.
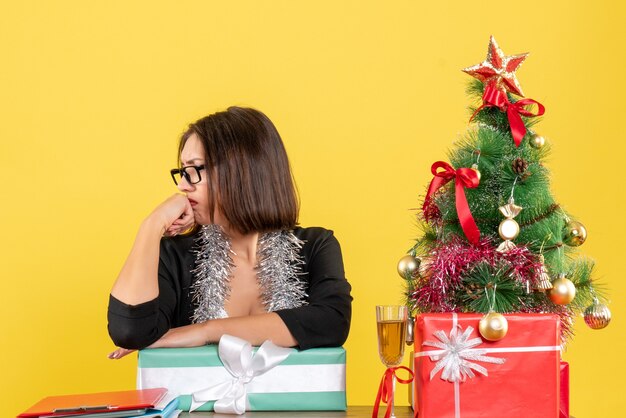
[{"x": 495, "y": 240}]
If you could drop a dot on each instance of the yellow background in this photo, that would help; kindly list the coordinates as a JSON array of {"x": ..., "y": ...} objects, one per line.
[{"x": 366, "y": 96}]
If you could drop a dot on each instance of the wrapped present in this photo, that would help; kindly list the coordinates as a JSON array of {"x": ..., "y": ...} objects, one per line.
[
  {"x": 234, "y": 377},
  {"x": 564, "y": 405},
  {"x": 458, "y": 374}
]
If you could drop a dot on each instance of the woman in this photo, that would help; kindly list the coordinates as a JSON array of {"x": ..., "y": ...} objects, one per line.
[{"x": 246, "y": 268}]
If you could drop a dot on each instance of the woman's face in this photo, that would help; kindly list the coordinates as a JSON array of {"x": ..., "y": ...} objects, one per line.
[{"x": 198, "y": 194}]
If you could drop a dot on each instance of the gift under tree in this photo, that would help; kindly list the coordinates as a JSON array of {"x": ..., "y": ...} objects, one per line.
[{"x": 496, "y": 241}]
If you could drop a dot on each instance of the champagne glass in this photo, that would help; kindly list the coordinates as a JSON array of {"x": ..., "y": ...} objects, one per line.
[{"x": 391, "y": 324}]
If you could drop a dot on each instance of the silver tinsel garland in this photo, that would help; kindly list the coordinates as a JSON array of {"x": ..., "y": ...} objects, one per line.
[
  {"x": 213, "y": 268},
  {"x": 279, "y": 265}
]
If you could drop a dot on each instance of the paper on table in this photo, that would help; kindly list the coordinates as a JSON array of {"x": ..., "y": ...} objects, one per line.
[
  {"x": 91, "y": 403},
  {"x": 115, "y": 414},
  {"x": 169, "y": 411}
]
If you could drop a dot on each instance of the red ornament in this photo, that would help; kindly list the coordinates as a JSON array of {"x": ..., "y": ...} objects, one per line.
[
  {"x": 497, "y": 98},
  {"x": 498, "y": 70},
  {"x": 464, "y": 177}
]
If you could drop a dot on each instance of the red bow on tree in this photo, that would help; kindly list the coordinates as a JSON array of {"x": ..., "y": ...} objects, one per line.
[
  {"x": 464, "y": 177},
  {"x": 494, "y": 97}
]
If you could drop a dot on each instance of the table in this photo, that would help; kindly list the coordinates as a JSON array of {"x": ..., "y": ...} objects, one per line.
[{"x": 352, "y": 412}]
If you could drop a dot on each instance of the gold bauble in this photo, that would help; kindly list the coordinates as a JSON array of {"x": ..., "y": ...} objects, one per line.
[
  {"x": 493, "y": 326},
  {"x": 408, "y": 266},
  {"x": 563, "y": 291},
  {"x": 475, "y": 168},
  {"x": 508, "y": 229},
  {"x": 597, "y": 316},
  {"x": 537, "y": 141},
  {"x": 574, "y": 234}
]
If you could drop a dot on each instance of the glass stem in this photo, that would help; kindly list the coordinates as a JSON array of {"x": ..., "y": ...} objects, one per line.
[{"x": 393, "y": 395}]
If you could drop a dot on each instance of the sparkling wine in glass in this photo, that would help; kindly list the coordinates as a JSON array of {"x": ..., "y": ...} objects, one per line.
[{"x": 391, "y": 324}]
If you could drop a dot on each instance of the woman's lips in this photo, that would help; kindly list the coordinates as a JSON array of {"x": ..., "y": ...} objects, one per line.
[{"x": 192, "y": 202}]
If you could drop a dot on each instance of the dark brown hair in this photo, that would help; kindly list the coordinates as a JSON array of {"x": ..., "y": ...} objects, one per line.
[{"x": 249, "y": 177}]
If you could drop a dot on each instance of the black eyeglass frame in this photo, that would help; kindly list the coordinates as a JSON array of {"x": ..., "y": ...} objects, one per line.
[{"x": 183, "y": 173}]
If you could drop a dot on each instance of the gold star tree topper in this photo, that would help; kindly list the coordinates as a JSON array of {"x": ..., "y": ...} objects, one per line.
[{"x": 498, "y": 70}]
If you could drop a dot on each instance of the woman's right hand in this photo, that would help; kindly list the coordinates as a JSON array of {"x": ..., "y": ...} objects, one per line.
[{"x": 174, "y": 215}]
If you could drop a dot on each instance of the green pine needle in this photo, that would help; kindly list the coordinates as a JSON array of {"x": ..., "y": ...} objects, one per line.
[
  {"x": 579, "y": 272},
  {"x": 486, "y": 289}
]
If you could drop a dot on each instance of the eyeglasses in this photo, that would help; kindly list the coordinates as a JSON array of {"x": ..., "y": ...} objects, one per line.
[{"x": 190, "y": 173}]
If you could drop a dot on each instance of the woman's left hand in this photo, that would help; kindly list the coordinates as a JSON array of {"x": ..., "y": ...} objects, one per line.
[
  {"x": 194, "y": 335},
  {"x": 119, "y": 353}
]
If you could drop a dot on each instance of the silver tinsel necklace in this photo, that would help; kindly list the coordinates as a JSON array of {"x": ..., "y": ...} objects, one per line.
[{"x": 278, "y": 270}]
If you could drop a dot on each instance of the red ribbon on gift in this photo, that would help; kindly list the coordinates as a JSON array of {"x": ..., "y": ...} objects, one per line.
[
  {"x": 494, "y": 97},
  {"x": 464, "y": 177},
  {"x": 385, "y": 390}
]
